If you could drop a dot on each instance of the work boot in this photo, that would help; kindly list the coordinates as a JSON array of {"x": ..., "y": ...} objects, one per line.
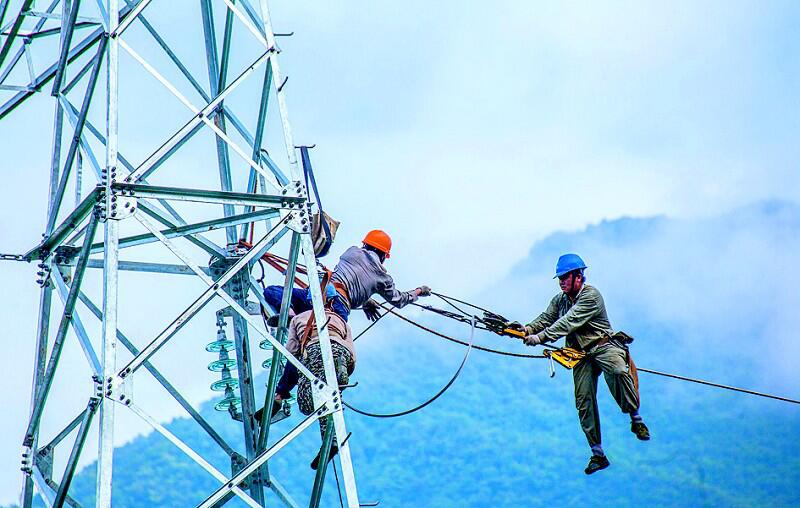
[
  {"x": 596, "y": 463},
  {"x": 276, "y": 407},
  {"x": 315, "y": 462},
  {"x": 641, "y": 431}
]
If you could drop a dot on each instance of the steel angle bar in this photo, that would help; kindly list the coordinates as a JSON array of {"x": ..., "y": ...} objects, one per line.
[
  {"x": 322, "y": 467},
  {"x": 109, "y": 327},
  {"x": 201, "y": 115},
  {"x": 49, "y": 73},
  {"x": 89, "y": 41},
  {"x": 26, "y": 46},
  {"x": 79, "y": 75},
  {"x": 281, "y": 96},
  {"x": 218, "y": 289},
  {"x": 3, "y": 9},
  {"x": 65, "y": 432},
  {"x": 101, "y": 4},
  {"x": 50, "y": 15},
  {"x": 15, "y": 88},
  {"x": 94, "y": 309},
  {"x": 283, "y": 319},
  {"x": 58, "y": 343},
  {"x": 199, "y": 240},
  {"x": 250, "y": 26},
  {"x": 55, "y": 31},
  {"x": 47, "y": 492},
  {"x": 217, "y": 74},
  {"x": 12, "y": 34},
  {"x": 131, "y": 16},
  {"x": 258, "y": 461},
  {"x": 264, "y": 157},
  {"x": 63, "y": 231},
  {"x": 209, "y": 196},
  {"x": 330, "y": 373},
  {"x": 72, "y": 463},
  {"x": 135, "y": 266},
  {"x": 282, "y": 493},
  {"x": 256, "y": 144},
  {"x": 214, "y": 289},
  {"x": 66, "y": 40},
  {"x": 12, "y": 64},
  {"x": 253, "y": 15},
  {"x": 72, "y": 115},
  {"x": 190, "y": 453},
  {"x": 77, "y": 326},
  {"x": 205, "y": 244},
  {"x": 172, "y": 56},
  {"x": 192, "y": 229},
  {"x": 73, "y": 147}
]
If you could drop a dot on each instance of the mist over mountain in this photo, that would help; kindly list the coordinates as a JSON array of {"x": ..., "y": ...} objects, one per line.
[{"x": 714, "y": 298}]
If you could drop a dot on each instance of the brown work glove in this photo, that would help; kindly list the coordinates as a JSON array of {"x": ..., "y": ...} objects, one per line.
[
  {"x": 423, "y": 291},
  {"x": 372, "y": 310}
]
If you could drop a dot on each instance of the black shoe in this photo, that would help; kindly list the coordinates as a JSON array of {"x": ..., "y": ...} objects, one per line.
[
  {"x": 641, "y": 431},
  {"x": 276, "y": 407},
  {"x": 596, "y": 463},
  {"x": 315, "y": 462},
  {"x": 272, "y": 321}
]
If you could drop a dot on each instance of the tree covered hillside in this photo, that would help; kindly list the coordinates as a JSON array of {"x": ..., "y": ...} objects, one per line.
[{"x": 713, "y": 298}]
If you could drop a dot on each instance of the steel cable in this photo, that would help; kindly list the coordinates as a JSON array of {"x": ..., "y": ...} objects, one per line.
[{"x": 430, "y": 400}]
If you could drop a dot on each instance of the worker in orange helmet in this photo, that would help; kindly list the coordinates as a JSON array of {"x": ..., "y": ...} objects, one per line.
[{"x": 358, "y": 275}]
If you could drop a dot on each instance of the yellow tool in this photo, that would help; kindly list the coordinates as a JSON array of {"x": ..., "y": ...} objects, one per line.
[
  {"x": 513, "y": 332},
  {"x": 567, "y": 357}
]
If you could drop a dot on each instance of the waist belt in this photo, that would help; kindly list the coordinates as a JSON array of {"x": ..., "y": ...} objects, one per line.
[
  {"x": 342, "y": 290},
  {"x": 602, "y": 340}
]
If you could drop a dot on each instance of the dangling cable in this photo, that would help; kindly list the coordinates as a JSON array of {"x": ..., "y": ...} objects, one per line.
[
  {"x": 365, "y": 330},
  {"x": 432, "y": 399}
]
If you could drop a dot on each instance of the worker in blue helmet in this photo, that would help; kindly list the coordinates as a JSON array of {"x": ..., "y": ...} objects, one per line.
[{"x": 579, "y": 314}]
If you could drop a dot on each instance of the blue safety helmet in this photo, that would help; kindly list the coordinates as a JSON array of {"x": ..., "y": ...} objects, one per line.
[{"x": 569, "y": 263}]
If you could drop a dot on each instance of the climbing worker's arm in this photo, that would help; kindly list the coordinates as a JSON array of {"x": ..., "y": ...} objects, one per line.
[
  {"x": 390, "y": 293},
  {"x": 545, "y": 319},
  {"x": 585, "y": 308}
]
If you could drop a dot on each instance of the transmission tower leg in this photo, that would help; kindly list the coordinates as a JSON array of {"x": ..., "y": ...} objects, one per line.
[
  {"x": 330, "y": 376},
  {"x": 322, "y": 464},
  {"x": 43, "y": 329},
  {"x": 110, "y": 268},
  {"x": 243, "y": 360}
]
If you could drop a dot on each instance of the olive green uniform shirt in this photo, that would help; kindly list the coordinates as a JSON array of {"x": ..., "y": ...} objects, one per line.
[{"x": 582, "y": 322}]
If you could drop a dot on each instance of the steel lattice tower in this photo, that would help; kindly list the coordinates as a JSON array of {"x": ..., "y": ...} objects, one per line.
[{"x": 136, "y": 201}]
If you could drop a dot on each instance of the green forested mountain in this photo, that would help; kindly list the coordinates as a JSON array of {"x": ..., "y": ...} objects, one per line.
[{"x": 700, "y": 298}]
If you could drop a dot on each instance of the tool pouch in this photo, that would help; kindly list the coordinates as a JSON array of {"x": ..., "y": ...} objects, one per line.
[
  {"x": 323, "y": 231},
  {"x": 623, "y": 338},
  {"x": 567, "y": 357}
]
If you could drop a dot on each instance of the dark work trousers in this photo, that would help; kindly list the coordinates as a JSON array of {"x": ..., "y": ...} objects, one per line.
[{"x": 611, "y": 360}]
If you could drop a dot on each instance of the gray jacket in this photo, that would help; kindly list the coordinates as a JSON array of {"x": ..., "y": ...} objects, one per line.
[{"x": 360, "y": 271}]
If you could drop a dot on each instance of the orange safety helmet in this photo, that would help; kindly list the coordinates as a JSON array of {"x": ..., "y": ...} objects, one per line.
[{"x": 380, "y": 240}]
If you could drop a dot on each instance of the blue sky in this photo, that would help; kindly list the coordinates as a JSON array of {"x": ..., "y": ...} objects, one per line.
[{"x": 470, "y": 130}]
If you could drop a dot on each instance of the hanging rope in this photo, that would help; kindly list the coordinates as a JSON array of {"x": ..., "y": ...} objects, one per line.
[
  {"x": 717, "y": 385},
  {"x": 432, "y": 399}
]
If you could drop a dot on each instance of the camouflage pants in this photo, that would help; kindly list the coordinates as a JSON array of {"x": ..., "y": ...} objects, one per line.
[{"x": 312, "y": 360}]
